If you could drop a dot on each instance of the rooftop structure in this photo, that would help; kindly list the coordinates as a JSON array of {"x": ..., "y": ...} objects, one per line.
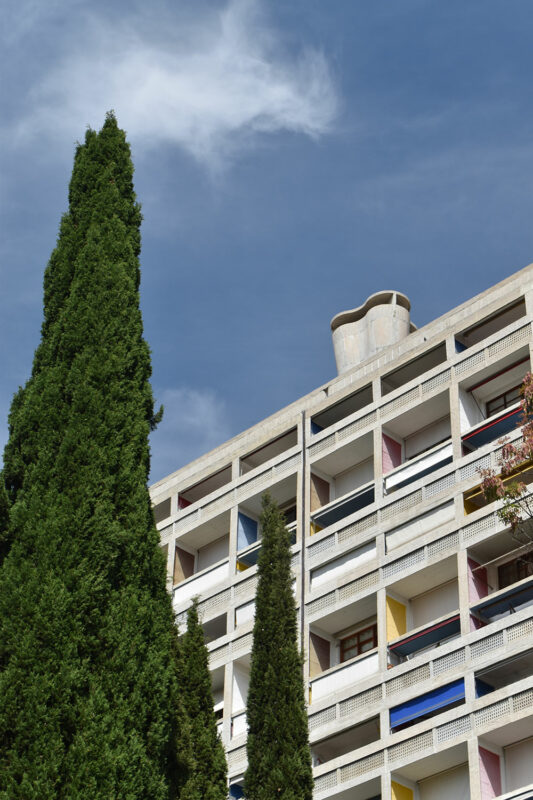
[{"x": 415, "y": 603}]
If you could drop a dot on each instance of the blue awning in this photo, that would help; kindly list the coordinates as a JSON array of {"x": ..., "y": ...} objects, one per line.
[
  {"x": 431, "y": 635},
  {"x": 509, "y": 600},
  {"x": 490, "y": 431},
  {"x": 427, "y": 703},
  {"x": 344, "y": 508}
]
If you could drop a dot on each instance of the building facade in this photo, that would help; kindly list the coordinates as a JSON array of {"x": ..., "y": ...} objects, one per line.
[{"x": 415, "y": 603}]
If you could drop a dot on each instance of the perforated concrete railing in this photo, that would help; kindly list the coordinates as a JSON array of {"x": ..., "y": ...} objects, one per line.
[
  {"x": 246, "y": 487},
  {"x": 490, "y": 715},
  {"x": 438, "y": 666},
  {"x": 231, "y": 650}
]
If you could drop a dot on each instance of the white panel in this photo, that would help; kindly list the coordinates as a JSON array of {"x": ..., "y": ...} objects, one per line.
[
  {"x": 340, "y": 566},
  {"x": 469, "y": 411},
  {"x": 200, "y": 585},
  {"x": 427, "y": 437},
  {"x": 451, "y": 784},
  {"x": 434, "y": 604},
  {"x": 239, "y": 725},
  {"x": 420, "y": 526},
  {"x": 349, "y": 675},
  {"x": 244, "y": 613},
  {"x": 412, "y": 469},
  {"x": 212, "y": 553},
  {"x": 519, "y": 765},
  {"x": 241, "y": 681},
  {"x": 353, "y": 478}
]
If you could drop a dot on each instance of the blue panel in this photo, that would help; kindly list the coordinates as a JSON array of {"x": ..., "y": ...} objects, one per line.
[
  {"x": 432, "y": 634},
  {"x": 507, "y": 601},
  {"x": 344, "y": 509},
  {"x": 236, "y": 791},
  {"x": 459, "y": 346},
  {"x": 483, "y": 688},
  {"x": 315, "y": 427},
  {"x": 493, "y": 431},
  {"x": 426, "y": 703},
  {"x": 246, "y": 531}
]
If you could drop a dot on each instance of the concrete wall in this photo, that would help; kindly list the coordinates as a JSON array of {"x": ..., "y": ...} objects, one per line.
[
  {"x": 356, "y": 476},
  {"x": 427, "y": 437},
  {"x": 434, "y": 604},
  {"x": 213, "y": 552}
]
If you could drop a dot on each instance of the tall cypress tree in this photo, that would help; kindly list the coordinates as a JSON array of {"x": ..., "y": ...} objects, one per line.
[
  {"x": 90, "y": 702},
  {"x": 279, "y": 759},
  {"x": 208, "y": 778}
]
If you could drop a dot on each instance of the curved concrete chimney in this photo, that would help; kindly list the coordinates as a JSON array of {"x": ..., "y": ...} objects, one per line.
[{"x": 360, "y": 333}]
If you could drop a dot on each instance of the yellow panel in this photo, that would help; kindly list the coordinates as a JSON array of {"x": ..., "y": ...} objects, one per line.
[
  {"x": 396, "y": 619},
  {"x": 315, "y": 528},
  {"x": 399, "y": 792}
]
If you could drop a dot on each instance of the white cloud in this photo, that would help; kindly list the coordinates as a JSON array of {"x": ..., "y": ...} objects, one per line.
[
  {"x": 195, "y": 421},
  {"x": 211, "y": 85}
]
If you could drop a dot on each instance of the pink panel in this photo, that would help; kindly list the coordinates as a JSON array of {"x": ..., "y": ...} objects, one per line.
[
  {"x": 489, "y": 768},
  {"x": 477, "y": 581},
  {"x": 391, "y": 454}
]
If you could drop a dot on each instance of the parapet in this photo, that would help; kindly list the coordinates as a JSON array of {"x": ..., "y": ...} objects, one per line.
[{"x": 360, "y": 333}]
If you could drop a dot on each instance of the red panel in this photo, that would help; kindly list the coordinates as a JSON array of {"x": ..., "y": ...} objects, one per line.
[
  {"x": 391, "y": 454},
  {"x": 489, "y": 768},
  {"x": 478, "y": 586}
]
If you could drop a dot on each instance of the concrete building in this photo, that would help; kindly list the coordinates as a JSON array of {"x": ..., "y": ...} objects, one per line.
[{"x": 415, "y": 602}]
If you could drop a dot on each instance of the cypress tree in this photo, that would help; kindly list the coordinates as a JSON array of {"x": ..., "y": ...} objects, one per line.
[
  {"x": 279, "y": 759},
  {"x": 90, "y": 701},
  {"x": 208, "y": 778}
]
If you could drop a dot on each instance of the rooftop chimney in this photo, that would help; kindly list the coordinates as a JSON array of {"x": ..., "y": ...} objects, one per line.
[{"x": 382, "y": 320}]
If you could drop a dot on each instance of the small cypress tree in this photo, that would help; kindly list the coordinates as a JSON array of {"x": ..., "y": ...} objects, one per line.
[
  {"x": 208, "y": 778},
  {"x": 90, "y": 702},
  {"x": 279, "y": 759}
]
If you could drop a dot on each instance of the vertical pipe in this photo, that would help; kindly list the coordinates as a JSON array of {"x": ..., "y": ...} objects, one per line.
[{"x": 302, "y": 543}]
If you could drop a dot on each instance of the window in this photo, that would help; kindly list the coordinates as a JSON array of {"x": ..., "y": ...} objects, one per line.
[
  {"x": 515, "y": 571},
  {"x": 503, "y": 401},
  {"x": 360, "y": 642}
]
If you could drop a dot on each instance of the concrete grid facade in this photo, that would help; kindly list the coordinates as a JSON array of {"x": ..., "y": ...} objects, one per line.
[{"x": 415, "y": 603}]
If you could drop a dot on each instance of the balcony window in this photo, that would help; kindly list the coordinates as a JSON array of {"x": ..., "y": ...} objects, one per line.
[
  {"x": 515, "y": 570},
  {"x": 357, "y": 643},
  {"x": 504, "y": 400}
]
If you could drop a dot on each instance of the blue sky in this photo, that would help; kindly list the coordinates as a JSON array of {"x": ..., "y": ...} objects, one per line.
[{"x": 291, "y": 159}]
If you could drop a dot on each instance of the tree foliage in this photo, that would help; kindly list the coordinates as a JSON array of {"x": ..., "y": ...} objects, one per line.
[
  {"x": 90, "y": 703},
  {"x": 504, "y": 483},
  {"x": 208, "y": 776},
  {"x": 279, "y": 760}
]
